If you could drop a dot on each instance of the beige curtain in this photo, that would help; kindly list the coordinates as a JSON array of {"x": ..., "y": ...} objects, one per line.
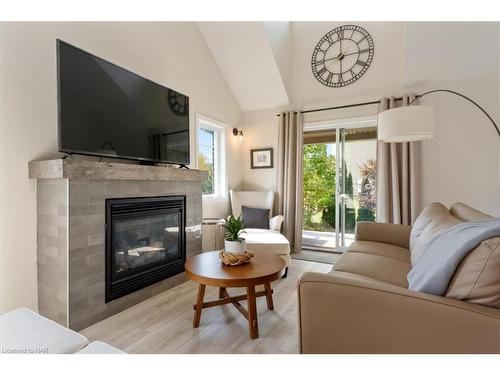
[
  {"x": 289, "y": 184},
  {"x": 398, "y": 175}
]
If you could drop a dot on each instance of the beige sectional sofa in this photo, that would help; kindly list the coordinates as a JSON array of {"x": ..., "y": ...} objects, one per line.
[{"x": 364, "y": 305}]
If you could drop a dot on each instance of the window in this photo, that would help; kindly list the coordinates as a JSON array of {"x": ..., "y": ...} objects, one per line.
[{"x": 211, "y": 138}]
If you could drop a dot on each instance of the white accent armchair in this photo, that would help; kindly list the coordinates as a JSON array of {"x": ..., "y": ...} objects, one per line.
[
  {"x": 257, "y": 199},
  {"x": 270, "y": 240}
]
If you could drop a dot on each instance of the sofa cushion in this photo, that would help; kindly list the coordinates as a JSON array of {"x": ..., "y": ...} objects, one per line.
[
  {"x": 477, "y": 278},
  {"x": 355, "y": 276},
  {"x": 434, "y": 219},
  {"x": 383, "y": 249},
  {"x": 254, "y": 217},
  {"x": 377, "y": 267},
  {"x": 25, "y": 331},
  {"x": 467, "y": 213}
]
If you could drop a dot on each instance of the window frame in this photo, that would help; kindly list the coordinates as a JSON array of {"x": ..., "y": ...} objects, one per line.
[{"x": 220, "y": 164}]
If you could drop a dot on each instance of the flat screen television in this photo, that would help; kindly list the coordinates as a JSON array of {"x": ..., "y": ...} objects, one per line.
[{"x": 108, "y": 111}]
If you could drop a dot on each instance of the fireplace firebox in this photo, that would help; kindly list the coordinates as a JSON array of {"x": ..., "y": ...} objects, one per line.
[{"x": 145, "y": 242}]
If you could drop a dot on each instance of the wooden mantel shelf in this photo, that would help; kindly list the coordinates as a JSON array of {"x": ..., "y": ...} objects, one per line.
[{"x": 93, "y": 170}]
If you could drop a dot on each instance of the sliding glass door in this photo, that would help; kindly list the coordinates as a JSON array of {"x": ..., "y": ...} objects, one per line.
[
  {"x": 339, "y": 184},
  {"x": 357, "y": 152},
  {"x": 319, "y": 191}
]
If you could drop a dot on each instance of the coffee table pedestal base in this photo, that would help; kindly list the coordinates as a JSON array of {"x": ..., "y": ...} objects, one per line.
[{"x": 225, "y": 298}]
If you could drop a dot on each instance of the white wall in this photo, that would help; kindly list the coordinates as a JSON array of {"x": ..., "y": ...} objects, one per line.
[
  {"x": 384, "y": 77},
  {"x": 173, "y": 54},
  {"x": 462, "y": 162},
  {"x": 261, "y": 131}
]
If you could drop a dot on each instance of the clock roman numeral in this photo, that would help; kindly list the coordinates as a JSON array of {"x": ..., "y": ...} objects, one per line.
[
  {"x": 363, "y": 38},
  {"x": 320, "y": 73},
  {"x": 364, "y": 50},
  {"x": 329, "y": 79},
  {"x": 340, "y": 34},
  {"x": 361, "y": 63},
  {"x": 341, "y": 79}
]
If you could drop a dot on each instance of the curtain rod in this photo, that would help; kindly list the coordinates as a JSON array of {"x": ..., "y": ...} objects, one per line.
[{"x": 344, "y": 106}]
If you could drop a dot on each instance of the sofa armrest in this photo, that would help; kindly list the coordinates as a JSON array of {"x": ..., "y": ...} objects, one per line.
[
  {"x": 393, "y": 234},
  {"x": 342, "y": 314},
  {"x": 275, "y": 223}
]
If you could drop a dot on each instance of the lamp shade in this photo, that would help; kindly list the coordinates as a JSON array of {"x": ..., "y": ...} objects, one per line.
[{"x": 406, "y": 124}]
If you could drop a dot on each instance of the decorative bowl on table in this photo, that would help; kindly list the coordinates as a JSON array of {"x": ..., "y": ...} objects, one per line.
[{"x": 235, "y": 259}]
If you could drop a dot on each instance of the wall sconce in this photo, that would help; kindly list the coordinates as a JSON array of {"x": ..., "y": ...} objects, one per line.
[{"x": 237, "y": 132}]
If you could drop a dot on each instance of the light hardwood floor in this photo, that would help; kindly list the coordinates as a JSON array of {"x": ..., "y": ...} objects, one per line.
[
  {"x": 317, "y": 256},
  {"x": 163, "y": 324}
]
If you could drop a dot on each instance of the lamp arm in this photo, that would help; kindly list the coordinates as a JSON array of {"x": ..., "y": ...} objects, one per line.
[{"x": 466, "y": 98}]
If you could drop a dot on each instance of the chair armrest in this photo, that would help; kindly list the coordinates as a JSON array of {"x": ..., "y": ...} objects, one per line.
[
  {"x": 393, "y": 234},
  {"x": 275, "y": 223},
  {"x": 343, "y": 314}
]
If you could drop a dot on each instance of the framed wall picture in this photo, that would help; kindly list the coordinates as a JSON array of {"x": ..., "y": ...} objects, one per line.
[{"x": 261, "y": 158}]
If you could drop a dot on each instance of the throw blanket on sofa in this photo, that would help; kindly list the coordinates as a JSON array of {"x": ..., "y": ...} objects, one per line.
[{"x": 435, "y": 268}]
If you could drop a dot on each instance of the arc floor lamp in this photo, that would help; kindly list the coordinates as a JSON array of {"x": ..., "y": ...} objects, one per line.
[{"x": 415, "y": 123}]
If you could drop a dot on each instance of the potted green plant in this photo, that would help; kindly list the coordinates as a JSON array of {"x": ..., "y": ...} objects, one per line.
[{"x": 233, "y": 243}]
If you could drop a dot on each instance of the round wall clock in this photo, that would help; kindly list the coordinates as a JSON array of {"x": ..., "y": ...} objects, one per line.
[
  {"x": 178, "y": 103},
  {"x": 342, "y": 56}
]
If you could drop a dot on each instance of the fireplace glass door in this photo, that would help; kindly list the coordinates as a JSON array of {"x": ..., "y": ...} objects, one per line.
[
  {"x": 140, "y": 242},
  {"x": 145, "y": 242}
]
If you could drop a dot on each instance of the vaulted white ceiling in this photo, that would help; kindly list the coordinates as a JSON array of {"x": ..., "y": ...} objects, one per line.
[
  {"x": 254, "y": 59},
  {"x": 268, "y": 64}
]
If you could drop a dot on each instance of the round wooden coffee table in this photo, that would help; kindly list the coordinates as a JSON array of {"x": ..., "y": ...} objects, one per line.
[{"x": 207, "y": 269}]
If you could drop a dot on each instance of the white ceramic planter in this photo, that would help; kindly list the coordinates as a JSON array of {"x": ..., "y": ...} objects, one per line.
[{"x": 235, "y": 247}]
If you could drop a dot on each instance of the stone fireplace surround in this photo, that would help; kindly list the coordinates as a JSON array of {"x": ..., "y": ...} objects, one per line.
[{"x": 71, "y": 199}]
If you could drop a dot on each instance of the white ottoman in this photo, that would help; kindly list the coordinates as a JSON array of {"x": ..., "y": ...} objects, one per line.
[
  {"x": 24, "y": 331},
  {"x": 269, "y": 242}
]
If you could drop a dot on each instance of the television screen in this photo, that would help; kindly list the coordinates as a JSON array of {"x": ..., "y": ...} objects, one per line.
[{"x": 105, "y": 110}]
